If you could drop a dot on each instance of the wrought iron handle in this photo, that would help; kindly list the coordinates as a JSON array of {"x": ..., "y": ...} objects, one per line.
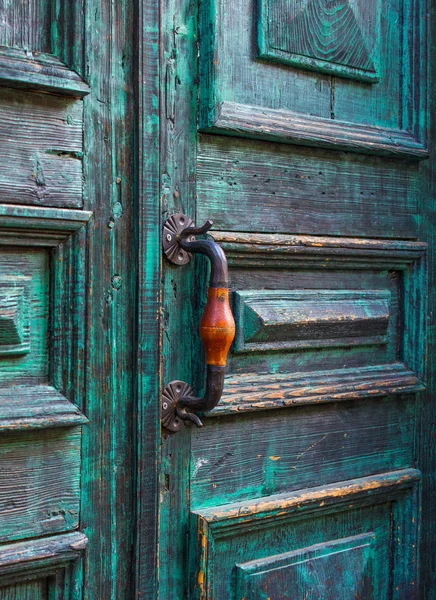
[{"x": 217, "y": 326}]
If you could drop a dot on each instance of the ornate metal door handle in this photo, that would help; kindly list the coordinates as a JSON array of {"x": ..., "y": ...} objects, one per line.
[{"x": 217, "y": 326}]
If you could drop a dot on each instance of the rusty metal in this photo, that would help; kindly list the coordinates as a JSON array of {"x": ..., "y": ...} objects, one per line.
[{"x": 179, "y": 243}]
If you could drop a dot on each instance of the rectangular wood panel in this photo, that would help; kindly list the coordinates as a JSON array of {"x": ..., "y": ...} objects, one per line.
[
  {"x": 39, "y": 483},
  {"x": 42, "y": 162},
  {"x": 293, "y": 319},
  {"x": 379, "y": 511},
  {"x": 268, "y": 187},
  {"x": 267, "y": 453}
]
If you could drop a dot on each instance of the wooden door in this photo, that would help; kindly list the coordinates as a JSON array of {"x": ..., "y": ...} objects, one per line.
[
  {"x": 308, "y": 143},
  {"x": 66, "y": 314}
]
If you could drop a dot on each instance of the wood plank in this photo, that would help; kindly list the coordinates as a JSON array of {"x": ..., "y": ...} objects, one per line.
[
  {"x": 260, "y": 454},
  {"x": 26, "y": 24},
  {"x": 39, "y": 482},
  {"x": 35, "y": 71},
  {"x": 36, "y": 407},
  {"x": 312, "y": 499},
  {"x": 284, "y": 319},
  {"x": 261, "y": 250},
  {"x": 37, "y": 554},
  {"x": 248, "y": 392},
  {"x": 33, "y": 590},
  {"x": 107, "y": 46},
  {"x": 41, "y": 163},
  {"x": 263, "y": 187},
  {"x": 260, "y": 122}
]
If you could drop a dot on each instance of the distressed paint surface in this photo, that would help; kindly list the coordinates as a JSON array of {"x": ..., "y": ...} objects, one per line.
[
  {"x": 288, "y": 158},
  {"x": 313, "y": 454}
]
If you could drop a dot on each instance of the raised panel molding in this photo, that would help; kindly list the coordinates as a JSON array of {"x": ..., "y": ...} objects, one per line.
[
  {"x": 244, "y": 94},
  {"x": 293, "y": 319},
  {"x": 35, "y": 46},
  {"x": 14, "y": 319},
  {"x": 39, "y": 71},
  {"x": 212, "y": 527},
  {"x": 231, "y": 118},
  {"x": 63, "y": 231},
  {"x": 246, "y": 392},
  {"x": 337, "y": 37},
  {"x": 55, "y": 558},
  {"x": 315, "y": 568}
]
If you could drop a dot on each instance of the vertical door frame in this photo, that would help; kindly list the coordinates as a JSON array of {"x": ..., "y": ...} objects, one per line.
[{"x": 148, "y": 300}]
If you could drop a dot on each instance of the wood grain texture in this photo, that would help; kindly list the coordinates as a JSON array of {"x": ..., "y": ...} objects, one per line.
[
  {"x": 39, "y": 226},
  {"x": 41, "y": 163},
  {"x": 36, "y": 407},
  {"x": 332, "y": 37},
  {"x": 292, "y": 319},
  {"x": 107, "y": 47},
  {"x": 178, "y": 92},
  {"x": 39, "y": 483},
  {"x": 34, "y": 590},
  {"x": 301, "y": 190},
  {"x": 34, "y": 71},
  {"x": 217, "y": 327},
  {"x": 278, "y": 451},
  {"x": 25, "y": 24},
  {"x": 426, "y": 430},
  {"x": 14, "y": 322},
  {"x": 293, "y": 572},
  {"x": 283, "y": 126},
  {"x": 374, "y": 504},
  {"x": 248, "y": 392},
  {"x": 269, "y": 249},
  {"x": 45, "y": 553},
  {"x": 232, "y": 80},
  {"x": 28, "y": 270}
]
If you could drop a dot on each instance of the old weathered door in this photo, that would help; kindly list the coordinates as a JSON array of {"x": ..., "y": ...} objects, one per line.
[
  {"x": 309, "y": 146},
  {"x": 66, "y": 307}
]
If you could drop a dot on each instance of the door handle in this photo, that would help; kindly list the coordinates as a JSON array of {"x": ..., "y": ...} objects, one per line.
[{"x": 217, "y": 326}]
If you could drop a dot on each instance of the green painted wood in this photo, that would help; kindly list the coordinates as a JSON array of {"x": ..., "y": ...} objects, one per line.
[
  {"x": 103, "y": 42},
  {"x": 36, "y": 590},
  {"x": 42, "y": 162},
  {"x": 282, "y": 189},
  {"x": 39, "y": 482},
  {"x": 312, "y": 37},
  {"x": 39, "y": 71},
  {"x": 148, "y": 382},
  {"x": 317, "y": 156},
  {"x": 310, "y": 458},
  {"x": 299, "y": 448}
]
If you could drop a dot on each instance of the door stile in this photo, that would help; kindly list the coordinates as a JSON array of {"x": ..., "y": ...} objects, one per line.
[
  {"x": 426, "y": 406},
  {"x": 181, "y": 313},
  {"x": 107, "y": 451},
  {"x": 148, "y": 298}
]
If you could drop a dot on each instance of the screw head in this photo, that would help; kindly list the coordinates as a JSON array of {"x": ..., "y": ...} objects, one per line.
[{"x": 169, "y": 237}]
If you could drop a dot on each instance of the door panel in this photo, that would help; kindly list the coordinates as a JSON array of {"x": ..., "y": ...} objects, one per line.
[
  {"x": 307, "y": 148},
  {"x": 308, "y": 543},
  {"x": 286, "y": 188},
  {"x": 241, "y": 87},
  {"x": 43, "y": 238}
]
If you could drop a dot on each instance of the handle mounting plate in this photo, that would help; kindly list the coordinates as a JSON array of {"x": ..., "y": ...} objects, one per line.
[
  {"x": 172, "y": 229},
  {"x": 170, "y": 396}
]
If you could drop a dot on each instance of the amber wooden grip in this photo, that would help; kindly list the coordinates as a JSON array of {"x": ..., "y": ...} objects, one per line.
[{"x": 217, "y": 326}]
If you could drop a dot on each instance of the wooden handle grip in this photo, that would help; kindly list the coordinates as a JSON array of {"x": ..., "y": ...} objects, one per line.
[{"x": 217, "y": 326}]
